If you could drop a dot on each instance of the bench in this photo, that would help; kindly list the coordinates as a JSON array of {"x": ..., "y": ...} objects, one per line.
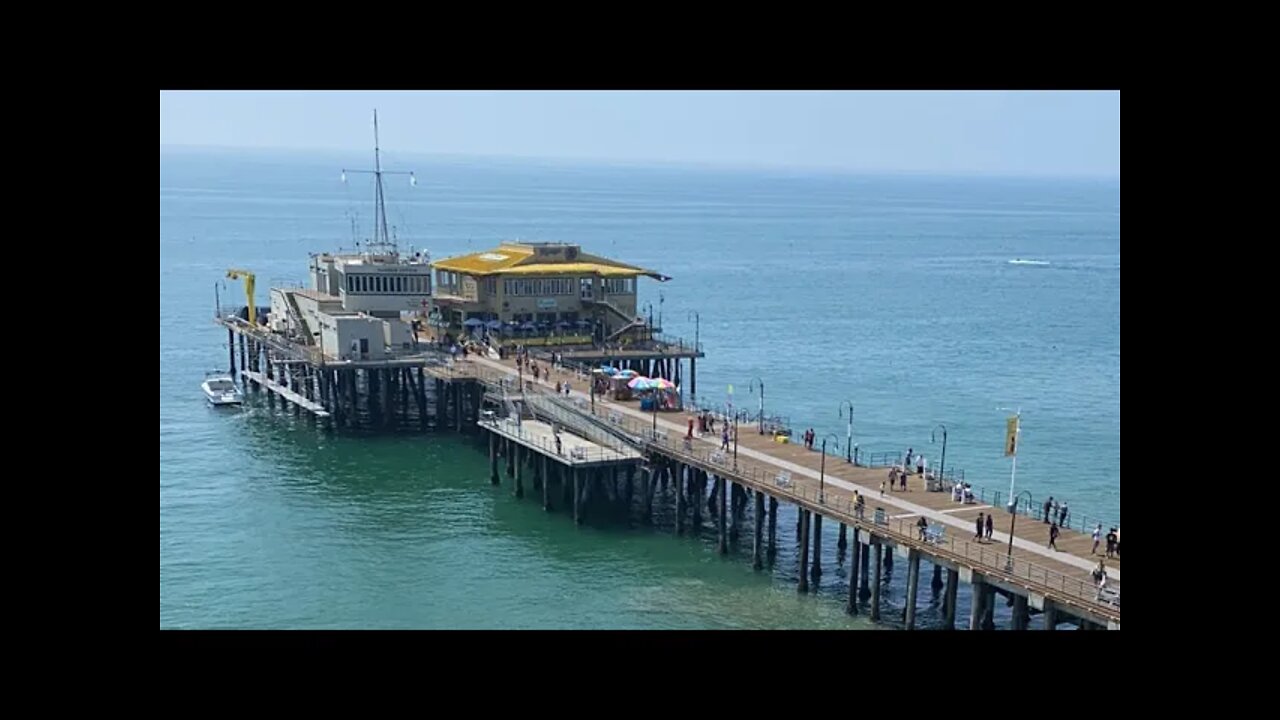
[
  {"x": 935, "y": 534},
  {"x": 783, "y": 479}
]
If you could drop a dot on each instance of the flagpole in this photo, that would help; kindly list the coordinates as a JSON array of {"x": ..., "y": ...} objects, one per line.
[{"x": 1013, "y": 471}]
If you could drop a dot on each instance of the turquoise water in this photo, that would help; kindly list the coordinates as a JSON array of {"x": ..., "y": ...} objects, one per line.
[{"x": 893, "y": 292}]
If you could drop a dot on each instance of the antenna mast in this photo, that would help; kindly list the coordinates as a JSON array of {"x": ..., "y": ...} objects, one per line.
[{"x": 382, "y": 241}]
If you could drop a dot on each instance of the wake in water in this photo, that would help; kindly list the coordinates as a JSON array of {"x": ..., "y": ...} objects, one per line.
[{"x": 1020, "y": 261}]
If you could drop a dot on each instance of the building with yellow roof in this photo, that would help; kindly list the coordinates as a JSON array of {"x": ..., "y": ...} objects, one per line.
[{"x": 555, "y": 286}]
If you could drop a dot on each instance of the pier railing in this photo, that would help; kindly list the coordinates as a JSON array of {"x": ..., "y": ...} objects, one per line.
[{"x": 572, "y": 454}]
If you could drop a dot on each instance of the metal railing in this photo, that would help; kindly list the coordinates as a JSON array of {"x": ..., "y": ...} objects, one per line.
[{"x": 578, "y": 454}]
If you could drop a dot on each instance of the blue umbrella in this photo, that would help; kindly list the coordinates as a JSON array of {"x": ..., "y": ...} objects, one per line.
[
  {"x": 473, "y": 322},
  {"x": 528, "y": 326},
  {"x": 493, "y": 324}
]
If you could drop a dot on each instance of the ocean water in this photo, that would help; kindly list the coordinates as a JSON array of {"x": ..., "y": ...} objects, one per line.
[{"x": 893, "y": 292}]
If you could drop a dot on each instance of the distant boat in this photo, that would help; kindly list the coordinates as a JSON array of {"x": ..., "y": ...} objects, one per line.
[
  {"x": 220, "y": 389},
  {"x": 1020, "y": 261}
]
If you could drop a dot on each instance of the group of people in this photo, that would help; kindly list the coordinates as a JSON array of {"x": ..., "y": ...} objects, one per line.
[
  {"x": 1052, "y": 509},
  {"x": 984, "y": 527},
  {"x": 1113, "y": 541},
  {"x": 962, "y": 492},
  {"x": 808, "y": 437}
]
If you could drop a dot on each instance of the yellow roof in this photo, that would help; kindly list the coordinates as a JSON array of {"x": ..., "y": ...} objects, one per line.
[
  {"x": 484, "y": 263},
  {"x": 576, "y": 268},
  {"x": 521, "y": 260}
]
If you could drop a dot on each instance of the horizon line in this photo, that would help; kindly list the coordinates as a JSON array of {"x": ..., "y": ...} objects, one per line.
[{"x": 654, "y": 163}]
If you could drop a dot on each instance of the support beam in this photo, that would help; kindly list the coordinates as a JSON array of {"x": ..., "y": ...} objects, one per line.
[
  {"x": 851, "y": 604},
  {"x": 875, "y": 583},
  {"x": 949, "y": 613},
  {"x": 546, "y": 484},
  {"x": 913, "y": 584},
  {"x": 804, "y": 550},
  {"x": 1020, "y": 615},
  {"x": 519, "y": 472},
  {"x": 864, "y": 592},
  {"x": 680, "y": 497},
  {"x": 577, "y": 495},
  {"x": 773, "y": 528},
  {"x": 724, "y": 498},
  {"x": 493, "y": 458},
  {"x": 977, "y": 610},
  {"x": 1050, "y": 615},
  {"x": 757, "y": 549},
  {"x": 816, "y": 519}
]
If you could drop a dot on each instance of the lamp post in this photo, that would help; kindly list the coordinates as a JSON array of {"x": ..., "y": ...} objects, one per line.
[
  {"x": 848, "y": 444},
  {"x": 760, "y": 382},
  {"x": 735, "y": 441},
  {"x": 942, "y": 466},
  {"x": 822, "y": 473},
  {"x": 1013, "y": 431},
  {"x": 661, "y": 299},
  {"x": 649, "y": 306},
  {"x": 1013, "y": 510}
]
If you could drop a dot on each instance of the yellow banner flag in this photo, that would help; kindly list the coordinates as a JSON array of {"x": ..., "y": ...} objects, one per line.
[
  {"x": 1011, "y": 437},
  {"x": 730, "y": 389}
]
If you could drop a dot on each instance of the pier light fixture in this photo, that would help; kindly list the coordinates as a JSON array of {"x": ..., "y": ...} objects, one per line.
[
  {"x": 822, "y": 472},
  {"x": 846, "y": 412}
]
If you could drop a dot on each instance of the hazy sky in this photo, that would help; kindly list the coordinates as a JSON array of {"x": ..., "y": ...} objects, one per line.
[{"x": 1007, "y": 133}]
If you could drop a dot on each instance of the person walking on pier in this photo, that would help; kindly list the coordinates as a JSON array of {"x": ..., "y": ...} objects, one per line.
[
  {"x": 1111, "y": 543},
  {"x": 922, "y": 525},
  {"x": 881, "y": 488},
  {"x": 689, "y": 435},
  {"x": 977, "y": 525},
  {"x": 559, "y": 449},
  {"x": 1100, "y": 577},
  {"x": 1048, "y": 506},
  {"x": 1062, "y": 514},
  {"x": 1097, "y": 538},
  {"x": 920, "y": 465},
  {"x": 859, "y": 505},
  {"x": 893, "y": 479},
  {"x": 902, "y": 480},
  {"x": 724, "y": 439},
  {"x": 991, "y": 526},
  {"x": 1053, "y": 536}
]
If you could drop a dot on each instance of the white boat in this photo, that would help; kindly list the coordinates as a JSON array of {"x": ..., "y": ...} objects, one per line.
[{"x": 221, "y": 389}]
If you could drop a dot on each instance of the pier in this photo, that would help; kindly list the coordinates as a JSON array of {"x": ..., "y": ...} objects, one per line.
[
  {"x": 760, "y": 471},
  {"x": 617, "y": 458}
]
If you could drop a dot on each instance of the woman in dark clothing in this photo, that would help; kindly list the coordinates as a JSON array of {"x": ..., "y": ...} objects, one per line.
[
  {"x": 1053, "y": 536},
  {"x": 990, "y": 526},
  {"x": 977, "y": 535}
]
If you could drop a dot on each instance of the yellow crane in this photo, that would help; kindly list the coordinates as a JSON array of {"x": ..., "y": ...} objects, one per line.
[{"x": 248, "y": 277}]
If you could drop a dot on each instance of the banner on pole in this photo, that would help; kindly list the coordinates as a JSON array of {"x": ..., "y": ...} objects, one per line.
[{"x": 1011, "y": 437}]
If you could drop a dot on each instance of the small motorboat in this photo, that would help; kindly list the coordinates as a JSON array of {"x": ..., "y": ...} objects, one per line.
[{"x": 221, "y": 389}]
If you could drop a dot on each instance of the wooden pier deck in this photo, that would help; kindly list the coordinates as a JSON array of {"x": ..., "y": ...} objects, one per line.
[
  {"x": 314, "y": 408},
  {"x": 574, "y": 451},
  {"x": 791, "y": 472}
]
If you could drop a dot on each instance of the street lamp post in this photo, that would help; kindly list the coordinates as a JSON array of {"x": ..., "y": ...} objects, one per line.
[
  {"x": 1013, "y": 509},
  {"x": 848, "y": 443},
  {"x": 942, "y": 466},
  {"x": 822, "y": 472},
  {"x": 753, "y": 389},
  {"x": 735, "y": 441},
  {"x": 661, "y": 299},
  {"x": 1012, "y": 439}
]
